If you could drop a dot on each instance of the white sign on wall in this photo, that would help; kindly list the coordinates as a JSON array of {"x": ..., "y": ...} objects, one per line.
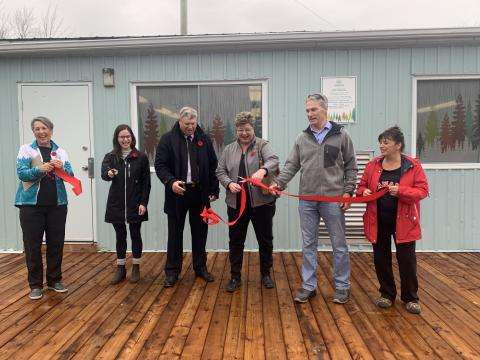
[{"x": 342, "y": 98}]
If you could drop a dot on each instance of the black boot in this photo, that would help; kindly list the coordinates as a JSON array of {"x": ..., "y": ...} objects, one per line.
[
  {"x": 119, "y": 275},
  {"x": 135, "y": 277}
]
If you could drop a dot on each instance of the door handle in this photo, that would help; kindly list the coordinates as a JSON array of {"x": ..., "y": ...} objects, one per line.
[{"x": 89, "y": 167}]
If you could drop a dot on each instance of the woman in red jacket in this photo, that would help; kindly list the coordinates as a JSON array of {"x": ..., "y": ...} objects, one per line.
[{"x": 396, "y": 214}]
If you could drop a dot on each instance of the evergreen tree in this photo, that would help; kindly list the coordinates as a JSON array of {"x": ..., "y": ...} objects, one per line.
[
  {"x": 420, "y": 144},
  {"x": 229, "y": 133},
  {"x": 431, "y": 129},
  {"x": 445, "y": 134},
  {"x": 458, "y": 123},
  {"x": 476, "y": 125},
  {"x": 151, "y": 134},
  {"x": 469, "y": 122},
  {"x": 218, "y": 133}
]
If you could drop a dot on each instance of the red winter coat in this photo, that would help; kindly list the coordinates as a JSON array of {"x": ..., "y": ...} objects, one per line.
[{"x": 413, "y": 187}]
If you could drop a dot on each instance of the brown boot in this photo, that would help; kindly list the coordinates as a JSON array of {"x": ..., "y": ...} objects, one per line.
[
  {"x": 135, "y": 277},
  {"x": 119, "y": 275}
]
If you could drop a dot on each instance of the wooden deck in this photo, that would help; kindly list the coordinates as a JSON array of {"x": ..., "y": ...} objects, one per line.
[{"x": 196, "y": 320}]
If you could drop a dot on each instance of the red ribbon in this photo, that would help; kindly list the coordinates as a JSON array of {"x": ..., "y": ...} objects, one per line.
[
  {"x": 77, "y": 184},
  {"x": 210, "y": 217}
]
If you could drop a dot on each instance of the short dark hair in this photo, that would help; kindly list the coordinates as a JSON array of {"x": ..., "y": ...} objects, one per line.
[{"x": 395, "y": 134}]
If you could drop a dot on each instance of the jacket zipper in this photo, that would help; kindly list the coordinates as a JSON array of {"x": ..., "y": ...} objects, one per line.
[{"x": 126, "y": 174}]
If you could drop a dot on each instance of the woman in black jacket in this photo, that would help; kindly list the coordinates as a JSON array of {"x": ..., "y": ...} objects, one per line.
[{"x": 129, "y": 171}]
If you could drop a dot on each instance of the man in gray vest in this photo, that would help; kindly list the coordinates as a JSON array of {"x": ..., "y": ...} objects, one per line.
[{"x": 325, "y": 157}]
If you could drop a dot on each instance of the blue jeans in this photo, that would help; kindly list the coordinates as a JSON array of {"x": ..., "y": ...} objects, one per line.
[{"x": 334, "y": 218}]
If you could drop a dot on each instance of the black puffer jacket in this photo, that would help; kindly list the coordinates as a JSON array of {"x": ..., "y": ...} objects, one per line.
[{"x": 132, "y": 180}]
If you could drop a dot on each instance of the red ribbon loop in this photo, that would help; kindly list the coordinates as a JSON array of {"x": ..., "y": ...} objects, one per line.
[
  {"x": 210, "y": 217},
  {"x": 77, "y": 184}
]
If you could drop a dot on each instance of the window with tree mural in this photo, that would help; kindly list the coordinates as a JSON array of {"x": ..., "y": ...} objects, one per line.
[
  {"x": 448, "y": 121},
  {"x": 217, "y": 105}
]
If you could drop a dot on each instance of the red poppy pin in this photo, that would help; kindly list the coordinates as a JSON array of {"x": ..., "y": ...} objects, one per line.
[
  {"x": 134, "y": 155},
  {"x": 252, "y": 153},
  {"x": 53, "y": 154},
  {"x": 199, "y": 143}
]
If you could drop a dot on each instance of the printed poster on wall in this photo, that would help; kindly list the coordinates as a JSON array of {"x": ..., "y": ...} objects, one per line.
[{"x": 342, "y": 98}]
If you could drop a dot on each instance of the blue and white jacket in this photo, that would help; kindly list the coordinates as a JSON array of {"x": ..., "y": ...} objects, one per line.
[{"x": 30, "y": 174}]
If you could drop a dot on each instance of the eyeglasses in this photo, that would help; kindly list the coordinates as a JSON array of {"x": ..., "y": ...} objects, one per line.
[
  {"x": 128, "y": 137},
  {"x": 318, "y": 96}
]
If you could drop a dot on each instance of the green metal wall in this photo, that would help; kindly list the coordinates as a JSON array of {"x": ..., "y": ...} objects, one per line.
[{"x": 384, "y": 88}]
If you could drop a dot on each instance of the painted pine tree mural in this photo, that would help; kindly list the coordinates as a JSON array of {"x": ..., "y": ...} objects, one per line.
[
  {"x": 445, "y": 134},
  {"x": 469, "y": 122},
  {"x": 218, "y": 133},
  {"x": 431, "y": 129},
  {"x": 458, "y": 123},
  {"x": 420, "y": 144},
  {"x": 229, "y": 133},
  {"x": 151, "y": 132},
  {"x": 476, "y": 125}
]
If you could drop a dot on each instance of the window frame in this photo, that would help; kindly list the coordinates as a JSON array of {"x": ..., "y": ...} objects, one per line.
[
  {"x": 134, "y": 85},
  {"x": 436, "y": 166}
]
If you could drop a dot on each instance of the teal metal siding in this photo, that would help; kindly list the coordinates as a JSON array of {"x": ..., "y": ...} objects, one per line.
[{"x": 384, "y": 91}]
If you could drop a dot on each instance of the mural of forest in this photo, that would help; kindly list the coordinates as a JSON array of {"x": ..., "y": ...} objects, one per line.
[
  {"x": 158, "y": 108},
  {"x": 448, "y": 121}
]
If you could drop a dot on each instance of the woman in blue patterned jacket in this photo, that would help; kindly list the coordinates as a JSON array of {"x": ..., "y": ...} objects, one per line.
[{"x": 42, "y": 199}]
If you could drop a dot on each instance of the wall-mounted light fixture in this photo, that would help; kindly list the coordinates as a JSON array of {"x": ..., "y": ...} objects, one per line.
[{"x": 108, "y": 77}]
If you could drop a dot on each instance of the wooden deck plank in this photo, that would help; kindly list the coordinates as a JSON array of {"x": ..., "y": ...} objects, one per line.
[
  {"x": 432, "y": 313},
  {"x": 178, "y": 335},
  {"x": 196, "y": 319},
  {"x": 195, "y": 341},
  {"x": 292, "y": 332},
  {"x": 272, "y": 325},
  {"x": 139, "y": 337},
  {"x": 235, "y": 337},
  {"x": 254, "y": 336},
  {"x": 92, "y": 345},
  {"x": 120, "y": 336},
  {"x": 217, "y": 331},
  {"x": 51, "y": 323},
  {"x": 309, "y": 326}
]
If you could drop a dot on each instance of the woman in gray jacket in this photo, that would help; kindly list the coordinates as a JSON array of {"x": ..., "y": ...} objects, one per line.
[{"x": 253, "y": 157}]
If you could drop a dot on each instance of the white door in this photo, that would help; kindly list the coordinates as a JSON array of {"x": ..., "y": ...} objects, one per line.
[{"x": 68, "y": 106}]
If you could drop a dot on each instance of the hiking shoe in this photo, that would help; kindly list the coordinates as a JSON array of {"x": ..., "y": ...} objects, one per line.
[
  {"x": 267, "y": 282},
  {"x": 413, "y": 307},
  {"x": 119, "y": 276},
  {"x": 233, "y": 284},
  {"x": 383, "y": 302},
  {"x": 36, "y": 294},
  {"x": 304, "y": 295},
  {"x": 58, "y": 287},
  {"x": 341, "y": 296},
  {"x": 135, "y": 276}
]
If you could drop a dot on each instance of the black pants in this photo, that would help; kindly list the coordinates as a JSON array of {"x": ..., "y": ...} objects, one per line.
[
  {"x": 35, "y": 221},
  {"x": 135, "y": 235},
  {"x": 407, "y": 264},
  {"x": 190, "y": 202},
  {"x": 262, "y": 221}
]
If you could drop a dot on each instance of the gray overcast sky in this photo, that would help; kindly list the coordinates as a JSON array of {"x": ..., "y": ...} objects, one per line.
[{"x": 161, "y": 17}]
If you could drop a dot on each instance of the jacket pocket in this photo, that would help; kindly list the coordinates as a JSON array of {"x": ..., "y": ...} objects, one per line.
[{"x": 330, "y": 155}]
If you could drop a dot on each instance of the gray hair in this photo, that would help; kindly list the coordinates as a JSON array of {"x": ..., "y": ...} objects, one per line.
[
  {"x": 243, "y": 118},
  {"x": 322, "y": 99},
  {"x": 188, "y": 113},
  {"x": 44, "y": 120}
]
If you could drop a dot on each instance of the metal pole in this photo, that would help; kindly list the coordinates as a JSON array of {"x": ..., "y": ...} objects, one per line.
[{"x": 183, "y": 17}]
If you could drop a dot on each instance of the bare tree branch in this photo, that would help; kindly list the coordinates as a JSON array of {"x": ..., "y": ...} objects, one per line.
[
  {"x": 51, "y": 25},
  {"x": 4, "y": 22},
  {"x": 23, "y": 23}
]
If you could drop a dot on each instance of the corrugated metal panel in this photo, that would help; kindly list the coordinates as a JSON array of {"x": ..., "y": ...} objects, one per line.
[{"x": 384, "y": 98}]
